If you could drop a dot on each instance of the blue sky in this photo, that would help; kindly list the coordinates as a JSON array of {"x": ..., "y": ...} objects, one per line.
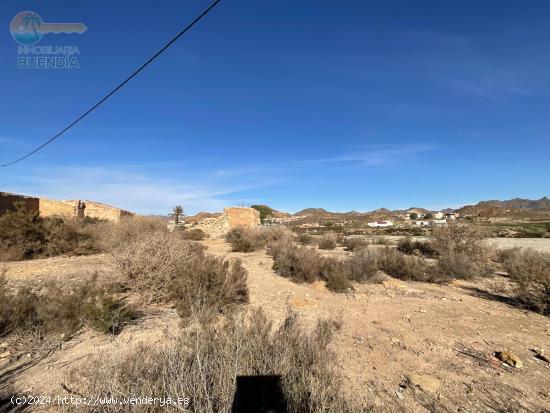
[{"x": 348, "y": 105}]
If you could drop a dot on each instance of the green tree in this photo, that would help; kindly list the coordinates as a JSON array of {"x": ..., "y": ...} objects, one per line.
[
  {"x": 414, "y": 215},
  {"x": 177, "y": 212},
  {"x": 264, "y": 211},
  {"x": 428, "y": 216}
]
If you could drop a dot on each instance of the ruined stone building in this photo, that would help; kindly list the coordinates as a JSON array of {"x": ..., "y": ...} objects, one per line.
[
  {"x": 217, "y": 225},
  {"x": 65, "y": 209}
]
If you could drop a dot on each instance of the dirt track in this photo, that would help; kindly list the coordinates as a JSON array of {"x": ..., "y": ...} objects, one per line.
[{"x": 442, "y": 334}]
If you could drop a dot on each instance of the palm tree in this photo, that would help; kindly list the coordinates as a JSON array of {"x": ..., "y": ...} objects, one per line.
[
  {"x": 177, "y": 212},
  {"x": 34, "y": 22}
]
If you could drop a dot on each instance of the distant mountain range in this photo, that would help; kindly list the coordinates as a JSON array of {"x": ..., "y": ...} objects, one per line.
[{"x": 495, "y": 206}]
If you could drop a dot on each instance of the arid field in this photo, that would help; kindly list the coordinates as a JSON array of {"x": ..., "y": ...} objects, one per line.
[{"x": 391, "y": 343}]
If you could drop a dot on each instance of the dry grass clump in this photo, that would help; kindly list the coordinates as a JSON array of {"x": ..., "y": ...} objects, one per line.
[
  {"x": 194, "y": 234},
  {"x": 150, "y": 262},
  {"x": 58, "y": 309},
  {"x": 205, "y": 286},
  {"x": 353, "y": 244},
  {"x": 531, "y": 270},
  {"x": 409, "y": 246},
  {"x": 300, "y": 264},
  {"x": 461, "y": 251},
  {"x": 202, "y": 364},
  {"x": 328, "y": 241},
  {"x": 244, "y": 239}
]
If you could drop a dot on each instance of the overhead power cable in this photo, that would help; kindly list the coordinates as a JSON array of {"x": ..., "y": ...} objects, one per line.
[{"x": 116, "y": 89}]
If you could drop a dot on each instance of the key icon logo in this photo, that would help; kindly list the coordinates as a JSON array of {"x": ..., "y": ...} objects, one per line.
[{"x": 28, "y": 28}]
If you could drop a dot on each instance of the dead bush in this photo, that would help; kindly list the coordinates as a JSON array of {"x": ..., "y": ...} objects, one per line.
[
  {"x": 244, "y": 239},
  {"x": 58, "y": 308},
  {"x": 354, "y": 243},
  {"x": 193, "y": 234},
  {"x": 531, "y": 270},
  {"x": 300, "y": 264},
  {"x": 150, "y": 260},
  {"x": 205, "y": 286},
  {"x": 202, "y": 364},
  {"x": 328, "y": 241}
]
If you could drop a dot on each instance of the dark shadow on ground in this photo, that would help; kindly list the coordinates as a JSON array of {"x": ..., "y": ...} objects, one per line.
[
  {"x": 488, "y": 295},
  {"x": 7, "y": 376}
]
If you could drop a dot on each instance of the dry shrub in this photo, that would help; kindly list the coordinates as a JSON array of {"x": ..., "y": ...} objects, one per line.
[
  {"x": 398, "y": 265},
  {"x": 409, "y": 246},
  {"x": 300, "y": 264},
  {"x": 57, "y": 308},
  {"x": 205, "y": 286},
  {"x": 26, "y": 235},
  {"x": 244, "y": 239},
  {"x": 277, "y": 233},
  {"x": 336, "y": 274},
  {"x": 353, "y": 244},
  {"x": 461, "y": 251},
  {"x": 109, "y": 235},
  {"x": 328, "y": 241},
  {"x": 381, "y": 241},
  {"x": 305, "y": 239},
  {"x": 203, "y": 363},
  {"x": 531, "y": 270},
  {"x": 363, "y": 265},
  {"x": 150, "y": 262},
  {"x": 193, "y": 234}
]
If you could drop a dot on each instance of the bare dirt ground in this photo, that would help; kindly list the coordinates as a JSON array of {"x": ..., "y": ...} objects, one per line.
[{"x": 439, "y": 337}]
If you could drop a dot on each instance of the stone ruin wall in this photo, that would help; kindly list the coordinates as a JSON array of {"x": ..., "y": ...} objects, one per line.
[
  {"x": 8, "y": 200},
  {"x": 51, "y": 208},
  {"x": 232, "y": 217},
  {"x": 64, "y": 209}
]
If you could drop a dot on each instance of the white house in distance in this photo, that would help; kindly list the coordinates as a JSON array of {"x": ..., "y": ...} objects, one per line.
[
  {"x": 378, "y": 224},
  {"x": 423, "y": 223},
  {"x": 439, "y": 215}
]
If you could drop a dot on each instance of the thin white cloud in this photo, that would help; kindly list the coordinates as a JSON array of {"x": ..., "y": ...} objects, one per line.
[
  {"x": 136, "y": 191},
  {"x": 379, "y": 155}
]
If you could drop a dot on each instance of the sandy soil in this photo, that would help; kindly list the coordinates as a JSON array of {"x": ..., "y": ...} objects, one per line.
[
  {"x": 538, "y": 244},
  {"x": 439, "y": 336}
]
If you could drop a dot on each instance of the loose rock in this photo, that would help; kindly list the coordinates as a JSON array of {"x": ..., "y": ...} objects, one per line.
[{"x": 509, "y": 358}]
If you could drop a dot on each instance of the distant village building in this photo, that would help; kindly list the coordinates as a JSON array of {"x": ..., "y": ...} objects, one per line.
[
  {"x": 439, "y": 221},
  {"x": 439, "y": 215},
  {"x": 378, "y": 224},
  {"x": 423, "y": 223}
]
